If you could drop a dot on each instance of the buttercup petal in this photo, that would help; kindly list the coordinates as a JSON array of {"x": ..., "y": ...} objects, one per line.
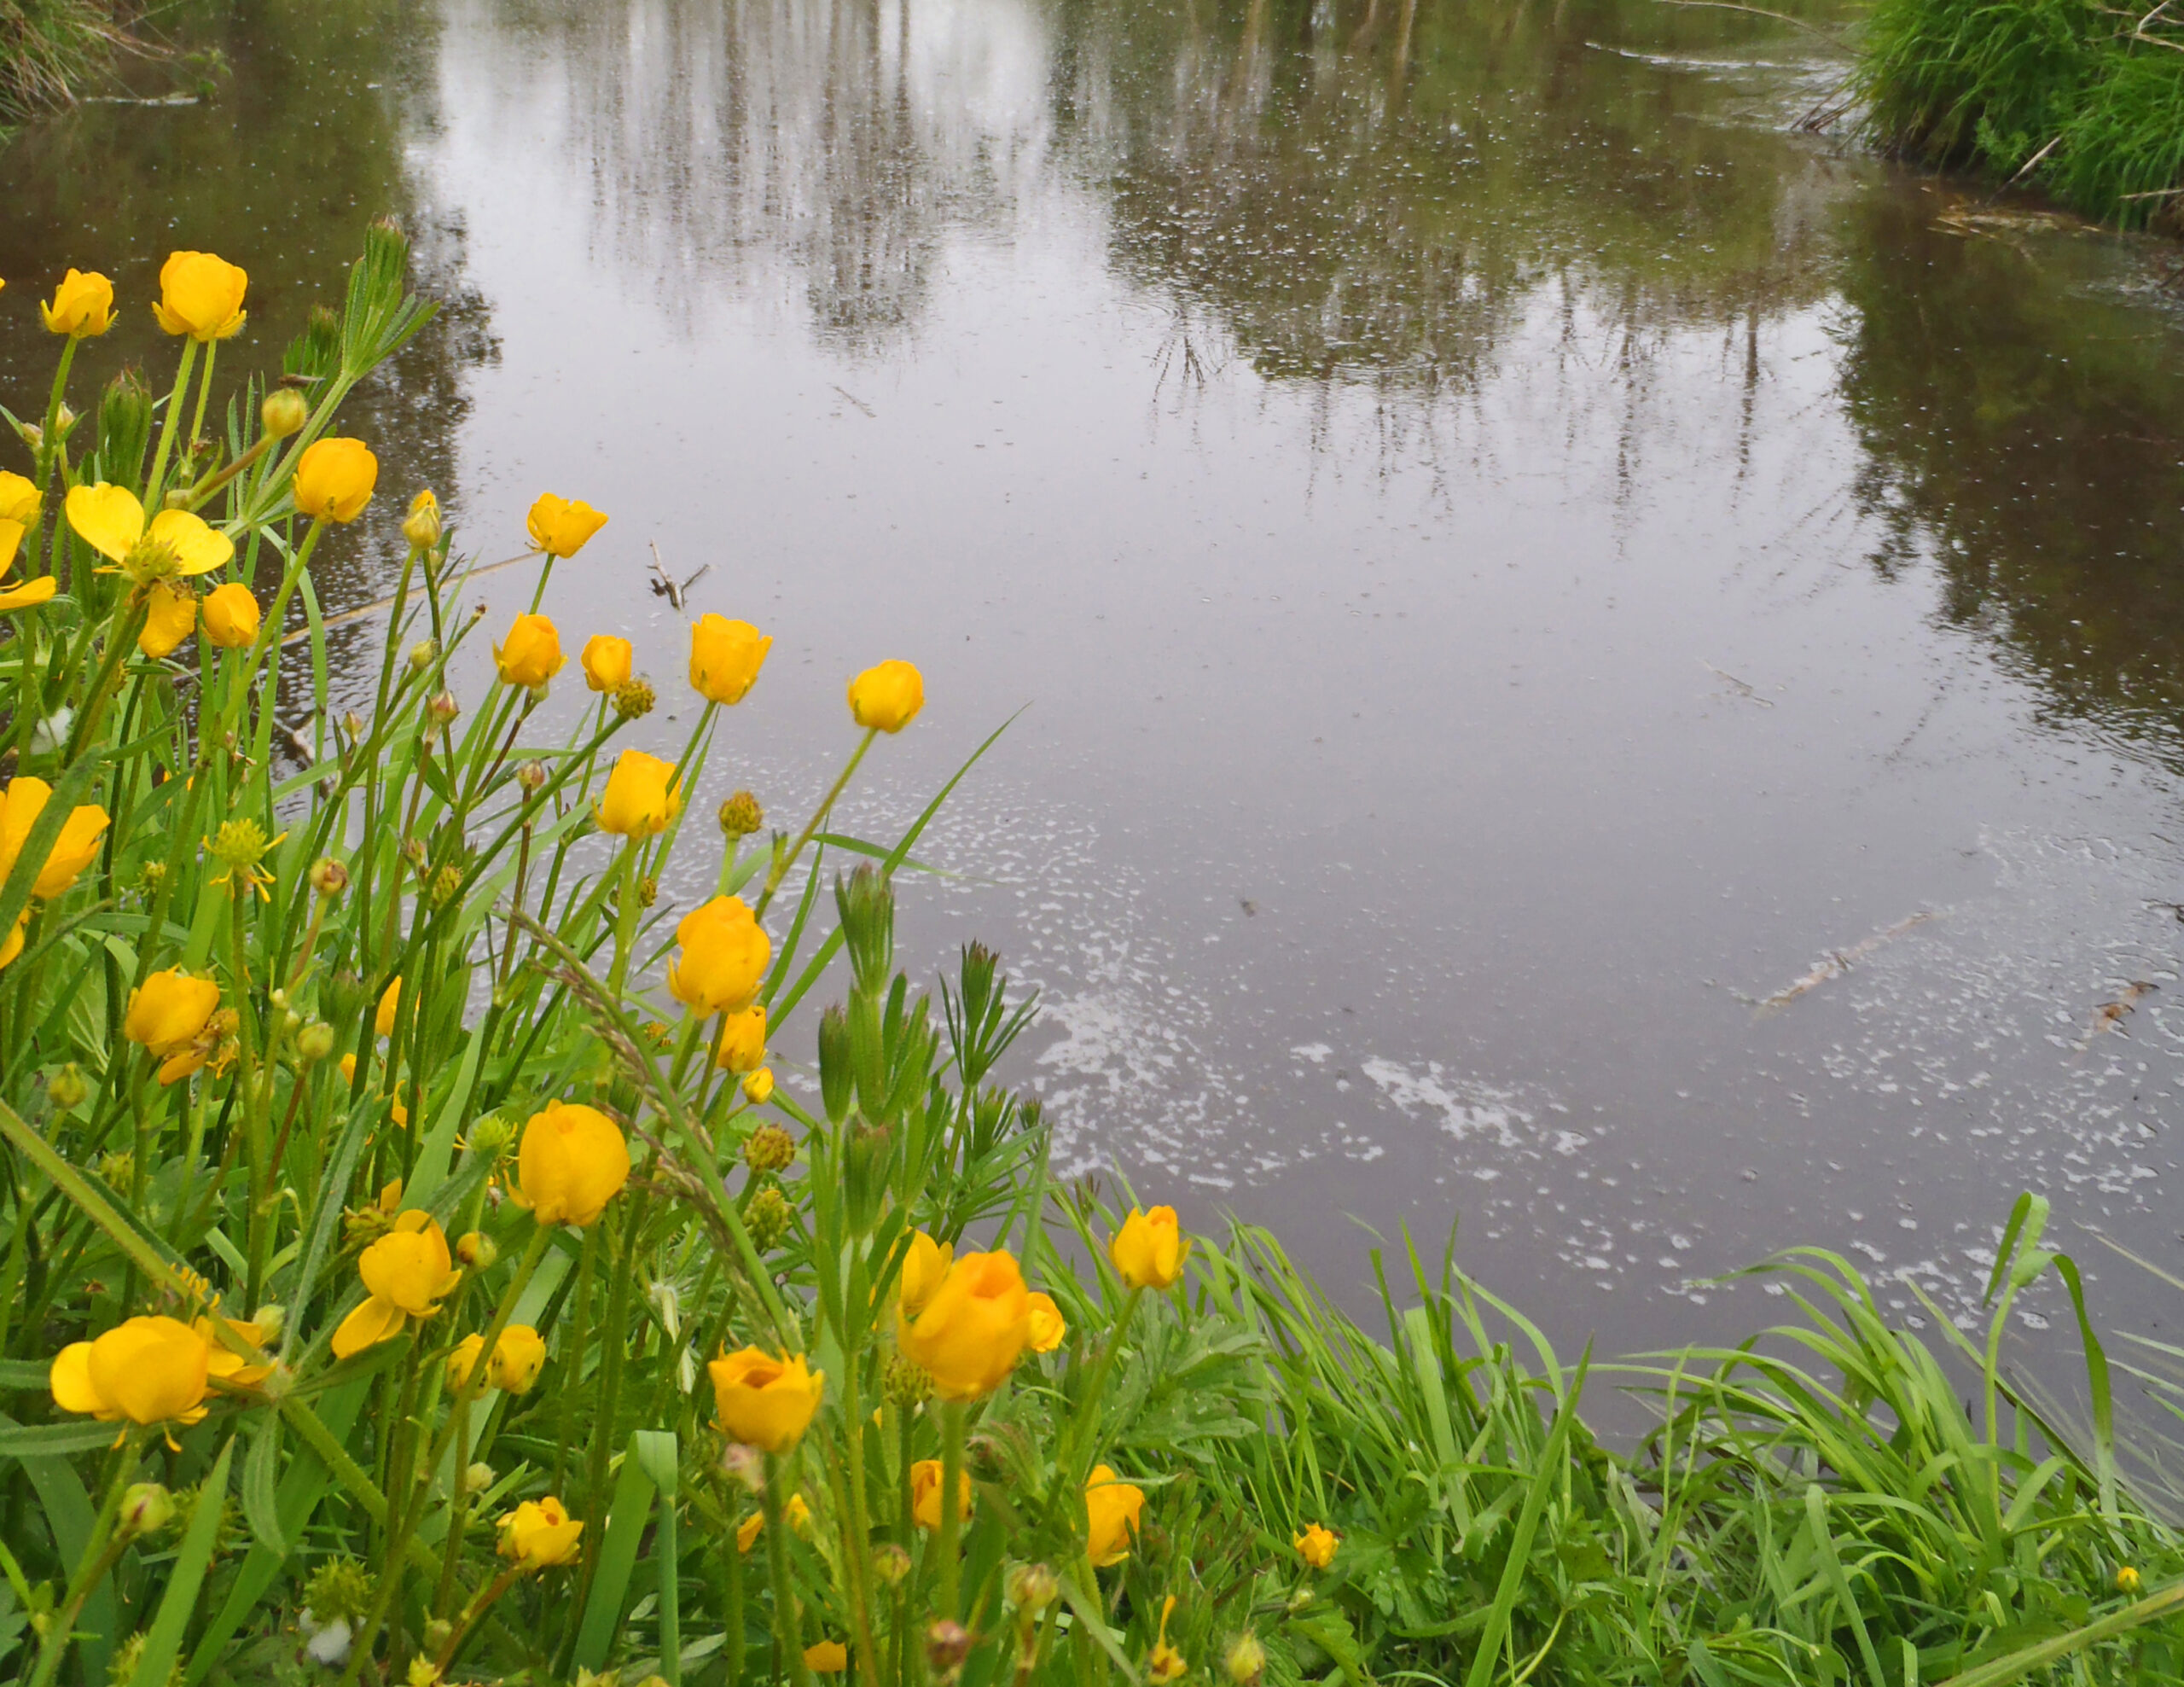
[{"x": 108, "y": 518}]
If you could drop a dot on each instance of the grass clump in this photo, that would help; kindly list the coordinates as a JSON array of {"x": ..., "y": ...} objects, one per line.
[
  {"x": 2086, "y": 99},
  {"x": 411, "y": 1271},
  {"x": 50, "y": 50}
]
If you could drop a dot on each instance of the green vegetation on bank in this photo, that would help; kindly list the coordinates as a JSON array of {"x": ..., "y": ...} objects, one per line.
[
  {"x": 410, "y": 1270},
  {"x": 2087, "y": 100},
  {"x": 52, "y": 50}
]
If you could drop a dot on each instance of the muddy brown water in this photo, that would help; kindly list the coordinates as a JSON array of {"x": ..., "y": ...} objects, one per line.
[{"x": 1515, "y": 555}]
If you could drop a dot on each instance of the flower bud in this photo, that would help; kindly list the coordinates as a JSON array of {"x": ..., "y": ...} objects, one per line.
[
  {"x": 837, "y": 1070},
  {"x": 770, "y": 1218},
  {"x": 906, "y": 1382},
  {"x": 315, "y": 1042},
  {"x": 647, "y": 890},
  {"x": 284, "y": 412},
  {"x": 329, "y": 877},
  {"x": 2127, "y": 1580},
  {"x": 947, "y": 1643},
  {"x": 476, "y": 1251},
  {"x": 1245, "y": 1661},
  {"x": 633, "y": 700},
  {"x": 145, "y": 1509},
  {"x": 271, "y": 1319},
  {"x": 741, "y": 815},
  {"x": 422, "y": 526},
  {"x": 768, "y": 1148},
  {"x": 491, "y": 1134},
  {"x": 67, "y": 1088},
  {"x": 353, "y": 725},
  {"x": 438, "y": 1633},
  {"x": 891, "y": 1564},
  {"x": 759, "y": 1086},
  {"x": 442, "y": 708},
  {"x": 477, "y": 1477},
  {"x": 532, "y": 776},
  {"x": 413, "y": 851},
  {"x": 447, "y": 885},
  {"x": 1032, "y": 1587},
  {"x": 423, "y": 654}
]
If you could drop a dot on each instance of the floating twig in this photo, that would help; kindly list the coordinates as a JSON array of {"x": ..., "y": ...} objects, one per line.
[{"x": 1836, "y": 964}]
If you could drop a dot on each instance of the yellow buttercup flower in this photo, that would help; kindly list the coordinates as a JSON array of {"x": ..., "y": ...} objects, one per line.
[
  {"x": 170, "y": 1017},
  {"x": 532, "y": 653},
  {"x": 1316, "y": 1546},
  {"x": 170, "y": 617},
  {"x": 746, "y": 1534},
  {"x": 2126, "y": 1580},
  {"x": 725, "y": 657},
  {"x": 335, "y": 479},
  {"x": 1149, "y": 1250},
  {"x": 390, "y": 1006},
  {"x": 74, "y": 850},
  {"x": 111, "y": 520},
  {"x": 758, "y": 1086},
  {"x": 826, "y": 1657},
  {"x": 607, "y": 661},
  {"x": 561, "y": 527},
  {"x": 972, "y": 1328},
  {"x": 1112, "y": 1509},
  {"x": 742, "y": 1046},
  {"x": 201, "y": 295},
  {"x": 464, "y": 1359},
  {"x": 540, "y": 1533},
  {"x": 148, "y": 1371},
  {"x": 573, "y": 1162},
  {"x": 924, "y": 1494},
  {"x": 82, "y": 307},
  {"x": 923, "y": 1267},
  {"x": 887, "y": 698},
  {"x": 721, "y": 956},
  {"x": 232, "y": 616},
  {"x": 763, "y": 1400},
  {"x": 1166, "y": 1664},
  {"x": 1048, "y": 1325},
  {"x": 406, "y": 1273},
  {"x": 18, "y": 497},
  {"x": 643, "y": 794},
  {"x": 12, "y": 945},
  {"x": 518, "y": 1358},
  {"x": 31, "y": 593}
]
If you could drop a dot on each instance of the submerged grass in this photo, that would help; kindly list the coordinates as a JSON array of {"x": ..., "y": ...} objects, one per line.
[{"x": 2086, "y": 99}]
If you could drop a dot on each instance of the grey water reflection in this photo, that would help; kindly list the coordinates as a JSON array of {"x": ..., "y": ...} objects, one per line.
[{"x": 1599, "y": 665}]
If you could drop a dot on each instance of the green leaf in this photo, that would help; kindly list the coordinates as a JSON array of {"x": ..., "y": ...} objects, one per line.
[
  {"x": 618, "y": 1560},
  {"x": 45, "y": 831},
  {"x": 54, "y": 1439},
  {"x": 163, "y": 1645},
  {"x": 69, "y": 1514},
  {"x": 261, "y": 1506}
]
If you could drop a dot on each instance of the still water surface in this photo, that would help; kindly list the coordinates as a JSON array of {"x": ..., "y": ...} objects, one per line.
[{"x": 1515, "y": 554}]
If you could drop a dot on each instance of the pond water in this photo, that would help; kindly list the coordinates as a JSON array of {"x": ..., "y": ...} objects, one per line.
[{"x": 1597, "y": 664}]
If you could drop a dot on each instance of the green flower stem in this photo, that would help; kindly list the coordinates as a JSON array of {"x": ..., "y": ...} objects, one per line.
[
  {"x": 49, "y": 441},
  {"x": 1071, "y": 1464},
  {"x": 788, "y": 1623},
  {"x": 784, "y": 862},
  {"x": 128, "y": 620},
  {"x": 155, "y": 483},
  {"x": 950, "y": 1602},
  {"x": 204, "y": 394},
  {"x": 731, "y": 1558}
]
